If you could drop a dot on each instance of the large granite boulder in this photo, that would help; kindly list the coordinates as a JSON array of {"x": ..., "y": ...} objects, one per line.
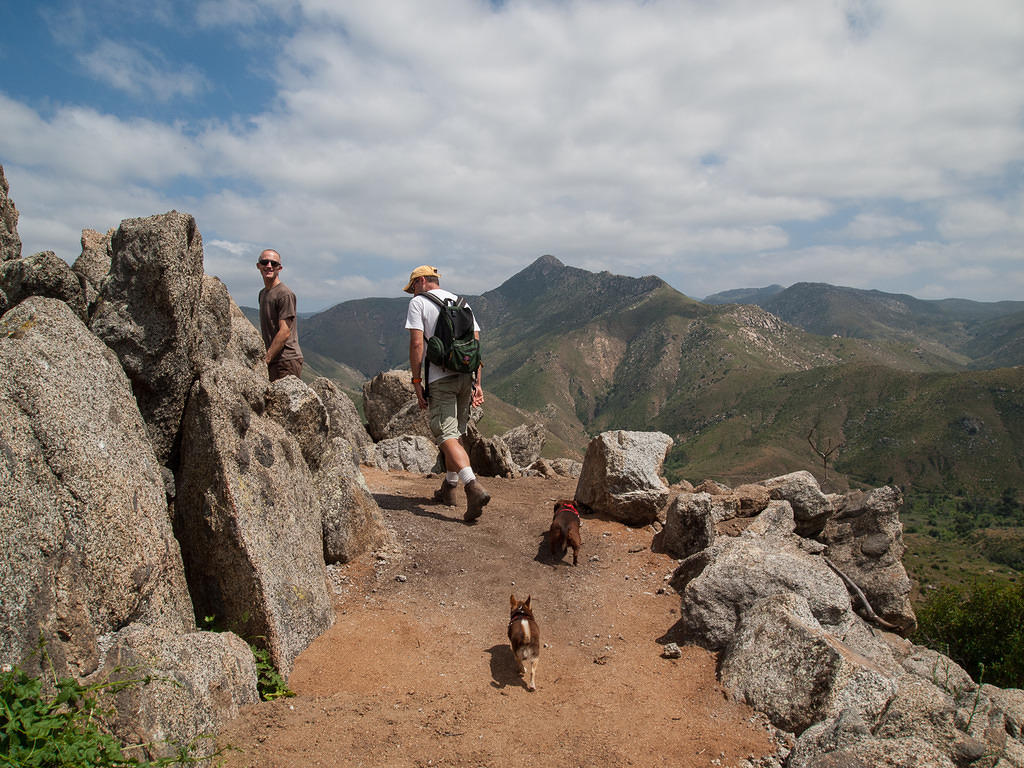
[
  {"x": 87, "y": 540},
  {"x": 344, "y": 421},
  {"x": 214, "y": 322},
  {"x": 489, "y": 456},
  {"x": 525, "y": 443},
  {"x": 93, "y": 263},
  {"x": 389, "y": 402},
  {"x": 720, "y": 583},
  {"x": 148, "y": 313},
  {"x": 865, "y": 541},
  {"x": 811, "y": 507},
  {"x": 248, "y": 517},
  {"x": 412, "y": 453},
  {"x": 192, "y": 685},
  {"x": 689, "y": 524},
  {"x": 783, "y": 663},
  {"x": 43, "y": 274},
  {"x": 621, "y": 476},
  {"x": 297, "y": 408},
  {"x": 352, "y": 520},
  {"x": 10, "y": 243},
  {"x": 245, "y": 345}
]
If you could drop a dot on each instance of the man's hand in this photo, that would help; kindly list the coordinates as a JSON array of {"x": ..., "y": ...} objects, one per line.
[
  {"x": 419, "y": 395},
  {"x": 478, "y": 395}
]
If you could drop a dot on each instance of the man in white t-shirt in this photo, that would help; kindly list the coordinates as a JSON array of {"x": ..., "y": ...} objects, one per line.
[{"x": 450, "y": 393}]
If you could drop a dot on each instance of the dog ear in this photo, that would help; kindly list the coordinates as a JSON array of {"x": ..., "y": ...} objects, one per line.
[
  {"x": 527, "y": 603},
  {"x": 512, "y": 600}
]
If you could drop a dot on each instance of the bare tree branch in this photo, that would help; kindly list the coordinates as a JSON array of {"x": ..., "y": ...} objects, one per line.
[{"x": 850, "y": 585}]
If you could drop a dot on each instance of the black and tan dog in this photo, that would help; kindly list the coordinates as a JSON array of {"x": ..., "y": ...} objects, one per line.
[
  {"x": 565, "y": 530},
  {"x": 524, "y": 636}
]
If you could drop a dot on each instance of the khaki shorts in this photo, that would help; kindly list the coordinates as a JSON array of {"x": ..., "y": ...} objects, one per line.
[
  {"x": 450, "y": 399},
  {"x": 278, "y": 368}
]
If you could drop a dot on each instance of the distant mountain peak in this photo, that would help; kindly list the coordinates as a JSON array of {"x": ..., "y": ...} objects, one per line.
[{"x": 544, "y": 265}]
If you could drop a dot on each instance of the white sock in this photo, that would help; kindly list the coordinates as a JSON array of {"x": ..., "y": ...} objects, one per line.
[
  {"x": 452, "y": 478},
  {"x": 466, "y": 475}
]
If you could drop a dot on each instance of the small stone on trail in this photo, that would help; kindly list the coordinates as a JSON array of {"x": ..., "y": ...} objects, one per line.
[{"x": 671, "y": 651}]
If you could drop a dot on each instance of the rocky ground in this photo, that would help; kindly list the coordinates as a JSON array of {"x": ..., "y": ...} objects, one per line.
[{"x": 417, "y": 670}]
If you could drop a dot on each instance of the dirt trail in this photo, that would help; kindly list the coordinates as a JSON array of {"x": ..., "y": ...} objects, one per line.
[{"x": 417, "y": 670}]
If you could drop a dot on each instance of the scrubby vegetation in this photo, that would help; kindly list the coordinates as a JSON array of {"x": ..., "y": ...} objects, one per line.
[
  {"x": 981, "y": 627},
  {"x": 63, "y": 725}
]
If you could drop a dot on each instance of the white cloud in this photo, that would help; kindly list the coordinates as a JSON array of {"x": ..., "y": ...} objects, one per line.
[
  {"x": 974, "y": 218},
  {"x": 676, "y": 137},
  {"x": 879, "y": 226},
  {"x": 141, "y": 72}
]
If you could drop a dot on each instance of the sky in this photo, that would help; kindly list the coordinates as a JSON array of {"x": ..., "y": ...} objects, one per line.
[{"x": 716, "y": 144}]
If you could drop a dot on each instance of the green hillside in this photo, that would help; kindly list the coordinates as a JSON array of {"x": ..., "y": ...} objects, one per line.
[{"x": 888, "y": 376}]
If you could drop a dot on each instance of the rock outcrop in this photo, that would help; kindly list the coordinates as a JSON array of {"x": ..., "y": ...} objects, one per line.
[
  {"x": 88, "y": 545},
  {"x": 43, "y": 274},
  {"x": 344, "y": 420},
  {"x": 151, "y": 474},
  {"x": 194, "y": 683},
  {"x": 778, "y": 595},
  {"x": 621, "y": 476},
  {"x": 247, "y": 517},
  {"x": 389, "y": 402},
  {"x": 148, "y": 314},
  {"x": 10, "y": 243},
  {"x": 865, "y": 540}
]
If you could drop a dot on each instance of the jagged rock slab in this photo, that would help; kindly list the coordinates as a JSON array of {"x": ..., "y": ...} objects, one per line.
[
  {"x": 87, "y": 540},
  {"x": 248, "y": 518}
]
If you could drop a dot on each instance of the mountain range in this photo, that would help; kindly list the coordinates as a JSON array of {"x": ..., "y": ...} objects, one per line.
[{"x": 928, "y": 394}]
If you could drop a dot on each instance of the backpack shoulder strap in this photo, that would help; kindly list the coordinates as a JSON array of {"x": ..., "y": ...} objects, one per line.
[{"x": 440, "y": 302}]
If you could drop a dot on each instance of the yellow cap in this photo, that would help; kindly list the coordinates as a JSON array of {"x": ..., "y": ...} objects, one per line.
[{"x": 423, "y": 271}]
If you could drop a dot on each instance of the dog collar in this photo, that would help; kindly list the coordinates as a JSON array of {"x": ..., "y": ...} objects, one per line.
[
  {"x": 519, "y": 614},
  {"x": 571, "y": 506}
]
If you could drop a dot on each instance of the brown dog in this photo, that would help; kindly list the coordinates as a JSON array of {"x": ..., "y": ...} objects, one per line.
[
  {"x": 524, "y": 637},
  {"x": 565, "y": 530}
]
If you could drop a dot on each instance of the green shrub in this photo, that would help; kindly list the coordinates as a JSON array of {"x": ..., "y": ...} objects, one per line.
[
  {"x": 981, "y": 627},
  {"x": 63, "y": 727}
]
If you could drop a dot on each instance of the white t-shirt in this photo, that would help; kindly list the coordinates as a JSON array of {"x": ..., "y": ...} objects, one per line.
[{"x": 422, "y": 316}]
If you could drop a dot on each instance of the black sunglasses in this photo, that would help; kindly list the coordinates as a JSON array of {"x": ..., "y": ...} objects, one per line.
[{"x": 268, "y": 262}]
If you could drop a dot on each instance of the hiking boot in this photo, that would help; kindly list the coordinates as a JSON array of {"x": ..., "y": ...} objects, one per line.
[
  {"x": 476, "y": 500},
  {"x": 446, "y": 494}
]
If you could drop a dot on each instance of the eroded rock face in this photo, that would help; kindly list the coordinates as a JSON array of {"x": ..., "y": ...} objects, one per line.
[
  {"x": 197, "y": 682},
  {"x": 352, "y": 520},
  {"x": 43, "y": 274},
  {"x": 148, "y": 314},
  {"x": 783, "y": 663},
  {"x": 719, "y": 584},
  {"x": 621, "y": 476},
  {"x": 248, "y": 517},
  {"x": 865, "y": 541},
  {"x": 811, "y": 507},
  {"x": 525, "y": 443},
  {"x": 489, "y": 456},
  {"x": 689, "y": 524},
  {"x": 389, "y": 402},
  {"x": 297, "y": 408},
  {"x": 93, "y": 263},
  {"x": 88, "y": 545},
  {"x": 413, "y": 453},
  {"x": 10, "y": 243},
  {"x": 343, "y": 418}
]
